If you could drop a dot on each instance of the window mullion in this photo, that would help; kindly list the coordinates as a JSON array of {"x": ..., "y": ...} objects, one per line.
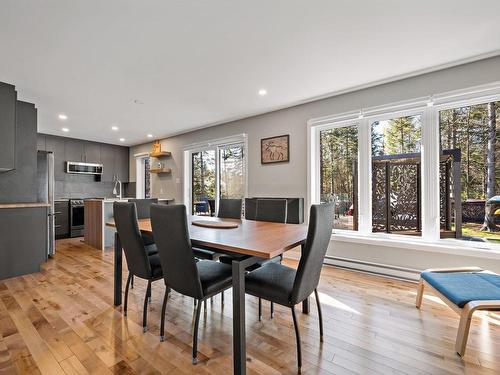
[
  {"x": 364, "y": 178},
  {"x": 430, "y": 176}
]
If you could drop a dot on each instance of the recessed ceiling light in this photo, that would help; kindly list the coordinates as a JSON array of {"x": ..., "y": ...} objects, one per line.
[
  {"x": 114, "y": 128},
  {"x": 62, "y": 116},
  {"x": 262, "y": 92},
  {"x": 150, "y": 135},
  {"x": 122, "y": 139},
  {"x": 65, "y": 130}
]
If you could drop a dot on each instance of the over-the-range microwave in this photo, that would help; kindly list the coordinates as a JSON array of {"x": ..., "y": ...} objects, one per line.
[{"x": 83, "y": 168}]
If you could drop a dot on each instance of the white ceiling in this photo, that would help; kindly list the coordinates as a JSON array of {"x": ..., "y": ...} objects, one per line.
[{"x": 195, "y": 63}]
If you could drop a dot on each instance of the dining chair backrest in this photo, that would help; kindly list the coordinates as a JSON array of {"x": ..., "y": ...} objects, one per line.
[
  {"x": 274, "y": 210},
  {"x": 170, "y": 230},
  {"x": 125, "y": 216},
  {"x": 313, "y": 254},
  {"x": 143, "y": 206},
  {"x": 229, "y": 208}
]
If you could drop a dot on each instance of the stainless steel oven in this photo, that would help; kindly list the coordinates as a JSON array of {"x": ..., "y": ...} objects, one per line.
[{"x": 76, "y": 217}]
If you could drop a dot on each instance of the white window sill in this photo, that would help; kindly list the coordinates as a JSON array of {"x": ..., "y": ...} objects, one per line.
[{"x": 452, "y": 247}]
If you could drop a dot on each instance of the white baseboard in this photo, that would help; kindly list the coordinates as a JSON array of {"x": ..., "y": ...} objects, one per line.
[{"x": 396, "y": 272}]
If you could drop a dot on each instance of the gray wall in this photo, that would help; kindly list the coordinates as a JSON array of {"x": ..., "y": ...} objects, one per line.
[
  {"x": 19, "y": 185},
  {"x": 290, "y": 179}
]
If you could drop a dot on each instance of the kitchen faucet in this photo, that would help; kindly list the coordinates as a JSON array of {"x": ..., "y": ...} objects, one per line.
[{"x": 117, "y": 182}]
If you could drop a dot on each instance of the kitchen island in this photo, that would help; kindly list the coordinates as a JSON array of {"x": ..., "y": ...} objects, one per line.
[{"x": 97, "y": 213}]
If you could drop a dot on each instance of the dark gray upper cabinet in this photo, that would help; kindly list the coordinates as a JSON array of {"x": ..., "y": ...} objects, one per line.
[
  {"x": 92, "y": 152},
  {"x": 74, "y": 150},
  {"x": 121, "y": 165},
  {"x": 8, "y": 98},
  {"x": 57, "y": 146},
  {"x": 108, "y": 162}
]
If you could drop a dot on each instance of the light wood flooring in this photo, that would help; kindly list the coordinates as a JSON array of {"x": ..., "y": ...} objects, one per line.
[{"x": 62, "y": 321}]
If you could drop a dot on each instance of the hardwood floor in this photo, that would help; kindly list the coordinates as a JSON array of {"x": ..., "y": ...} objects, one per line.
[{"x": 62, "y": 321}]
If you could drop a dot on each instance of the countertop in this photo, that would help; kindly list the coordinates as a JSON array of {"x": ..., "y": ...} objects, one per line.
[
  {"x": 24, "y": 205},
  {"x": 124, "y": 200}
]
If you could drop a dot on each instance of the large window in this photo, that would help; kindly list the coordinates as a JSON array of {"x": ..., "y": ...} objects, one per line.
[
  {"x": 470, "y": 170},
  {"x": 428, "y": 168},
  {"x": 339, "y": 174},
  {"x": 215, "y": 172}
]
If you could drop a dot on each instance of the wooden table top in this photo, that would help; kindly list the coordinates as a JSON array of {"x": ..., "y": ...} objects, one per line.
[{"x": 256, "y": 238}]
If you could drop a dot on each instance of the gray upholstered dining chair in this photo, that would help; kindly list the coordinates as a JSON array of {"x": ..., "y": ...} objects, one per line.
[
  {"x": 229, "y": 208},
  {"x": 271, "y": 210},
  {"x": 289, "y": 287},
  {"x": 141, "y": 262},
  {"x": 142, "y": 207},
  {"x": 182, "y": 273}
]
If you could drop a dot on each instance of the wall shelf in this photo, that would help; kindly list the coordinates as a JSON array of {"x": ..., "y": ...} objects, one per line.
[
  {"x": 160, "y": 170},
  {"x": 161, "y": 154}
]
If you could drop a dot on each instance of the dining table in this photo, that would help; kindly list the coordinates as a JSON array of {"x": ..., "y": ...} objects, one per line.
[{"x": 256, "y": 240}]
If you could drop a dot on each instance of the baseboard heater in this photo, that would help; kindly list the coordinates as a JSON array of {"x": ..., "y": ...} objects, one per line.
[{"x": 402, "y": 273}]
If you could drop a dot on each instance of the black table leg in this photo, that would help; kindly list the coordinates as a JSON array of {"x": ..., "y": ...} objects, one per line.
[
  {"x": 239, "y": 335},
  {"x": 118, "y": 271},
  {"x": 305, "y": 303}
]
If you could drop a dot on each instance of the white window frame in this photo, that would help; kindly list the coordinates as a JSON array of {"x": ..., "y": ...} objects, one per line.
[
  {"x": 429, "y": 108},
  {"x": 216, "y": 145},
  {"x": 140, "y": 177}
]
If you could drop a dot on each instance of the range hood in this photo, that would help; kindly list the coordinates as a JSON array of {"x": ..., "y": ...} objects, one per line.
[{"x": 83, "y": 168}]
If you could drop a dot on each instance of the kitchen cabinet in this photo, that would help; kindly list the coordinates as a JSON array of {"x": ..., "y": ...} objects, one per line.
[
  {"x": 61, "y": 215},
  {"x": 74, "y": 150},
  {"x": 121, "y": 163},
  {"x": 92, "y": 152},
  {"x": 108, "y": 162},
  {"x": 8, "y": 99}
]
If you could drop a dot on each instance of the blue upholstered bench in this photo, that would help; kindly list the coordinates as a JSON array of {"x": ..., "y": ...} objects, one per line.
[{"x": 465, "y": 290}]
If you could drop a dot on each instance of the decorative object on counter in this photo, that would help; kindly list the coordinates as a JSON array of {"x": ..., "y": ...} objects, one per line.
[
  {"x": 275, "y": 149},
  {"x": 156, "y": 148}
]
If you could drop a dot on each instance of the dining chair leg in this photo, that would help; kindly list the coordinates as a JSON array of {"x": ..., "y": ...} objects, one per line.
[
  {"x": 272, "y": 310},
  {"x": 260, "y": 309},
  {"x": 149, "y": 293},
  {"x": 125, "y": 305},
  {"x": 163, "y": 311},
  {"x": 145, "y": 310},
  {"x": 297, "y": 336},
  {"x": 320, "y": 315},
  {"x": 205, "y": 306},
  {"x": 195, "y": 333},
  {"x": 222, "y": 299},
  {"x": 132, "y": 282}
]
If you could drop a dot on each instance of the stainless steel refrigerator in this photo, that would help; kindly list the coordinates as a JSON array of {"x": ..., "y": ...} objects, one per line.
[{"x": 45, "y": 184}]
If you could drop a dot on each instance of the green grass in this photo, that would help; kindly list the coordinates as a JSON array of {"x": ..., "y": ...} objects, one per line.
[{"x": 472, "y": 230}]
